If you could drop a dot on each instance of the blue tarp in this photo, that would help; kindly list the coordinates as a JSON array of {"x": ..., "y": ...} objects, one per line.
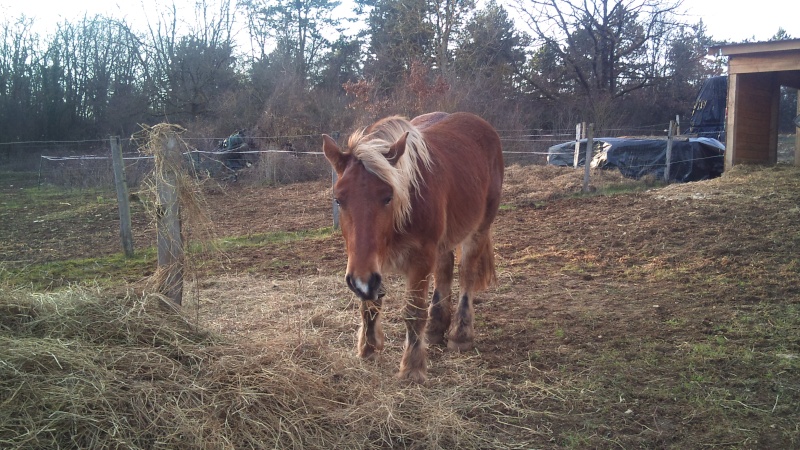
[
  {"x": 692, "y": 159},
  {"x": 708, "y": 112}
]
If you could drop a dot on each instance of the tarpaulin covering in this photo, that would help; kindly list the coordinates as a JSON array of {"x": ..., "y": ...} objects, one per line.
[
  {"x": 692, "y": 159},
  {"x": 708, "y": 112}
]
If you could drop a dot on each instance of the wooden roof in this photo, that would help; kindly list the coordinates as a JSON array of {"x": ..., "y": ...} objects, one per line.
[
  {"x": 782, "y": 57},
  {"x": 755, "y": 47}
]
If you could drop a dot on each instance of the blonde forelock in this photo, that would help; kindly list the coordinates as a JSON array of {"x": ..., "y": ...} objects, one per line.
[{"x": 370, "y": 146}]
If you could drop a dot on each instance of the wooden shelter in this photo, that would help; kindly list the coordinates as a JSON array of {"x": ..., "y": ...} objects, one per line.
[{"x": 756, "y": 71}]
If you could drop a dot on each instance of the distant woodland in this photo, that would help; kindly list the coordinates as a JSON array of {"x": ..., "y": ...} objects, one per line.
[{"x": 289, "y": 67}]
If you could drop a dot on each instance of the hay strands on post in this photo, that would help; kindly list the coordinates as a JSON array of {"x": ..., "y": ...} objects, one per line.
[
  {"x": 168, "y": 225},
  {"x": 163, "y": 142}
]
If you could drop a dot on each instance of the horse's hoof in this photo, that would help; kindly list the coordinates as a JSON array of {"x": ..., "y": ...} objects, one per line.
[
  {"x": 460, "y": 346},
  {"x": 434, "y": 339},
  {"x": 369, "y": 353},
  {"x": 413, "y": 376}
]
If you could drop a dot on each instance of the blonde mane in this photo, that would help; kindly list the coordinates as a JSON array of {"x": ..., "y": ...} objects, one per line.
[{"x": 370, "y": 146}]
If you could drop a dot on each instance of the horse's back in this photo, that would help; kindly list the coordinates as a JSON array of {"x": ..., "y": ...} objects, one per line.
[
  {"x": 468, "y": 143},
  {"x": 468, "y": 172},
  {"x": 463, "y": 127}
]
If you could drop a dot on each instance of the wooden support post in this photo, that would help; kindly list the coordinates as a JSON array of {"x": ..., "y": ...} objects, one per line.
[
  {"x": 669, "y": 150},
  {"x": 578, "y": 136},
  {"x": 589, "y": 152},
  {"x": 797, "y": 131},
  {"x": 168, "y": 223},
  {"x": 120, "y": 183}
]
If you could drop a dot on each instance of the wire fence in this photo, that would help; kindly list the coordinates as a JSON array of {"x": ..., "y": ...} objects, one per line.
[
  {"x": 271, "y": 160},
  {"x": 276, "y": 159},
  {"x": 263, "y": 160}
]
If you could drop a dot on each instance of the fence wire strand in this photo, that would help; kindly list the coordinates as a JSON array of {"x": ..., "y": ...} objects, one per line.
[{"x": 538, "y": 143}]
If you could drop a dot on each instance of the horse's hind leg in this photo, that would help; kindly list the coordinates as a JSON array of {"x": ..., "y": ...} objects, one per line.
[
  {"x": 413, "y": 364},
  {"x": 439, "y": 312},
  {"x": 476, "y": 273},
  {"x": 462, "y": 338},
  {"x": 370, "y": 334}
]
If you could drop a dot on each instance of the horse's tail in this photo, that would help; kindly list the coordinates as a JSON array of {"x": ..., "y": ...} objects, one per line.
[{"x": 478, "y": 272}]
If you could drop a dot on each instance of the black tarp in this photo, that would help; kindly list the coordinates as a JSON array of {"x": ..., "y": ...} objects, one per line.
[
  {"x": 692, "y": 159},
  {"x": 708, "y": 112},
  {"x": 233, "y": 145}
]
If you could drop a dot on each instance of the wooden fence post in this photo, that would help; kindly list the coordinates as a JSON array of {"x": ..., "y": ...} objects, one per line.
[
  {"x": 334, "y": 178},
  {"x": 168, "y": 220},
  {"x": 120, "y": 183},
  {"x": 669, "y": 150},
  {"x": 589, "y": 152}
]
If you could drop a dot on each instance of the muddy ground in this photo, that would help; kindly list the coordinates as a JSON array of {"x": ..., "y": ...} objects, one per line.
[{"x": 622, "y": 317}]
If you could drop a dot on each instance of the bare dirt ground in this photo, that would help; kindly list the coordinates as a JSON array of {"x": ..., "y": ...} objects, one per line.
[{"x": 597, "y": 297}]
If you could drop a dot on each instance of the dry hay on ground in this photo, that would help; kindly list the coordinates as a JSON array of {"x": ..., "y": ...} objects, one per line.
[{"x": 81, "y": 370}]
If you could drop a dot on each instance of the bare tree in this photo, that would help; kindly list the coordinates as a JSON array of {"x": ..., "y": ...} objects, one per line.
[
  {"x": 298, "y": 32},
  {"x": 189, "y": 63},
  {"x": 19, "y": 51},
  {"x": 602, "y": 49}
]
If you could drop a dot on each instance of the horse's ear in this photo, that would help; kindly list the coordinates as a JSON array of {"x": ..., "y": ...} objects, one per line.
[
  {"x": 397, "y": 149},
  {"x": 334, "y": 154}
]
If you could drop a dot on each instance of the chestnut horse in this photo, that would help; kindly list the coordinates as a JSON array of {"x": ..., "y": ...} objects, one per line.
[{"x": 410, "y": 193}]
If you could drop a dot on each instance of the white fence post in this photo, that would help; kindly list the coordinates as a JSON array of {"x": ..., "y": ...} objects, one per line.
[
  {"x": 578, "y": 137},
  {"x": 669, "y": 150},
  {"x": 589, "y": 152}
]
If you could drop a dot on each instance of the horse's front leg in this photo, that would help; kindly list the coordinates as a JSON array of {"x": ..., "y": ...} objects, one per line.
[
  {"x": 370, "y": 333},
  {"x": 413, "y": 365}
]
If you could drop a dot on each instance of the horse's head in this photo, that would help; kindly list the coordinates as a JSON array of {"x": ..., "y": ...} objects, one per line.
[{"x": 366, "y": 194}]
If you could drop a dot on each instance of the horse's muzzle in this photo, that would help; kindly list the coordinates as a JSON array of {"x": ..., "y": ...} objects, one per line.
[{"x": 371, "y": 290}]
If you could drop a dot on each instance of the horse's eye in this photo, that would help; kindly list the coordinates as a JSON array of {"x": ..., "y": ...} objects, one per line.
[
  {"x": 338, "y": 203},
  {"x": 387, "y": 200}
]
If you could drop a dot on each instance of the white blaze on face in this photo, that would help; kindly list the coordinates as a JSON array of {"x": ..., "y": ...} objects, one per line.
[{"x": 361, "y": 286}]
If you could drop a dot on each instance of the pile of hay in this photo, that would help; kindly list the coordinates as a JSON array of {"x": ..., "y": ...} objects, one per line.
[
  {"x": 530, "y": 184},
  {"x": 79, "y": 369}
]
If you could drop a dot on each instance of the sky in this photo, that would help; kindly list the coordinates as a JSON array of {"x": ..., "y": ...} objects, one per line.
[
  {"x": 725, "y": 20},
  {"x": 736, "y": 21}
]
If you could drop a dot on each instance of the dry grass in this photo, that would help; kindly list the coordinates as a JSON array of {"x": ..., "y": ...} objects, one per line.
[
  {"x": 661, "y": 319},
  {"x": 83, "y": 370}
]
